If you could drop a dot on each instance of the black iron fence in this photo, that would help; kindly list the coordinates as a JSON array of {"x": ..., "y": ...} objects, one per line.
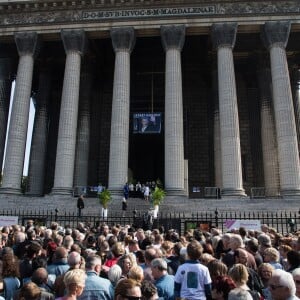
[{"x": 283, "y": 222}]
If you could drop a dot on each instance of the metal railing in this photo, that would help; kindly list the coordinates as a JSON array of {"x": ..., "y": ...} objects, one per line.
[{"x": 283, "y": 222}]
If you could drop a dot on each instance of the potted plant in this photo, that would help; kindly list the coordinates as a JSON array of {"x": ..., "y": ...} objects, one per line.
[
  {"x": 104, "y": 198},
  {"x": 158, "y": 195}
]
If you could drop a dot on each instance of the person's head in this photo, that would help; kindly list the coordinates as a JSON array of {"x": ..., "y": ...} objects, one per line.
[
  {"x": 93, "y": 263},
  {"x": 221, "y": 287},
  {"x": 216, "y": 268},
  {"x": 74, "y": 281},
  {"x": 239, "y": 294},
  {"x": 271, "y": 255},
  {"x": 10, "y": 266},
  {"x": 239, "y": 274},
  {"x": 149, "y": 290},
  {"x": 39, "y": 276},
  {"x": 159, "y": 268},
  {"x": 126, "y": 262},
  {"x": 296, "y": 277},
  {"x": 61, "y": 254},
  {"x": 114, "y": 274},
  {"x": 241, "y": 256},
  {"x": 282, "y": 285},
  {"x": 136, "y": 273},
  {"x": 74, "y": 260},
  {"x": 34, "y": 249},
  {"x": 265, "y": 271},
  {"x": 144, "y": 121},
  {"x": 128, "y": 289},
  {"x": 194, "y": 250},
  {"x": 236, "y": 242},
  {"x": 118, "y": 249},
  {"x": 30, "y": 291}
]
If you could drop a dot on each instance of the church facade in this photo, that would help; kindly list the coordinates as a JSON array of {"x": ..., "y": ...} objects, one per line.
[{"x": 219, "y": 80}]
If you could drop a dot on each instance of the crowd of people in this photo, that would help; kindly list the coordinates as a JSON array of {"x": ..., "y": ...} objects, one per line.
[{"x": 121, "y": 262}]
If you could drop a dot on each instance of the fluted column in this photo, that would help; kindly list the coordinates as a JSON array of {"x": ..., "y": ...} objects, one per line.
[
  {"x": 5, "y": 90},
  {"x": 173, "y": 38},
  {"x": 217, "y": 141},
  {"x": 123, "y": 40},
  {"x": 37, "y": 162},
  {"x": 16, "y": 142},
  {"x": 296, "y": 88},
  {"x": 74, "y": 43},
  {"x": 223, "y": 36},
  {"x": 83, "y": 133},
  {"x": 275, "y": 36},
  {"x": 268, "y": 134}
]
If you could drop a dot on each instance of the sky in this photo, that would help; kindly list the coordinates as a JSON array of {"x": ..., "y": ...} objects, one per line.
[{"x": 29, "y": 131}]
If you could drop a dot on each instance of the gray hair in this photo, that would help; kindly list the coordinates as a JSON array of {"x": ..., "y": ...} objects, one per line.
[
  {"x": 114, "y": 274},
  {"x": 159, "y": 263},
  {"x": 296, "y": 272},
  {"x": 285, "y": 279},
  {"x": 92, "y": 261},
  {"x": 74, "y": 259}
]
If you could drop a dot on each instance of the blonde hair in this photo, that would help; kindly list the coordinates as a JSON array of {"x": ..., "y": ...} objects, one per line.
[
  {"x": 75, "y": 276},
  {"x": 136, "y": 273},
  {"x": 273, "y": 253},
  {"x": 239, "y": 274}
]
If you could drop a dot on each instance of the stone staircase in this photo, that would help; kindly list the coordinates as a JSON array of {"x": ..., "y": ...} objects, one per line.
[{"x": 67, "y": 204}]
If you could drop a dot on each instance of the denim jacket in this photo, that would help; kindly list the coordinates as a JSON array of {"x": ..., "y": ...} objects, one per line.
[{"x": 96, "y": 288}]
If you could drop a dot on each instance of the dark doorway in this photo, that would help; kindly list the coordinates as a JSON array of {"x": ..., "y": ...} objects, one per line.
[{"x": 146, "y": 157}]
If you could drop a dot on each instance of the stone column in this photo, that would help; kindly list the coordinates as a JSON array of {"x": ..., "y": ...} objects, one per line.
[
  {"x": 217, "y": 142},
  {"x": 16, "y": 142},
  {"x": 74, "y": 43},
  {"x": 296, "y": 89},
  {"x": 223, "y": 36},
  {"x": 268, "y": 133},
  {"x": 5, "y": 90},
  {"x": 173, "y": 38},
  {"x": 275, "y": 37},
  {"x": 83, "y": 133},
  {"x": 37, "y": 162},
  {"x": 123, "y": 40}
]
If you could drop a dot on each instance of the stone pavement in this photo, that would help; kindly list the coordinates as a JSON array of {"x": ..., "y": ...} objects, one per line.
[{"x": 66, "y": 204}]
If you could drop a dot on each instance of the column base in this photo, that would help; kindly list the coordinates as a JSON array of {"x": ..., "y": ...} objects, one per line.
[
  {"x": 233, "y": 193},
  {"x": 290, "y": 193},
  {"x": 10, "y": 191},
  {"x": 62, "y": 191},
  {"x": 175, "y": 192}
]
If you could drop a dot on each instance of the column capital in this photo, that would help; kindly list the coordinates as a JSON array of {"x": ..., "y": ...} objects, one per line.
[
  {"x": 74, "y": 40},
  {"x": 123, "y": 38},
  {"x": 275, "y": 33},
  {"x": 224, "y": 34},
  {"x": 172, "y": 36},
  {"x": 27, "y": 43}
]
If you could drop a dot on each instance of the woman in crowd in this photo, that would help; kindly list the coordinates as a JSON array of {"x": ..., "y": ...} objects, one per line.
[
  {"x": 11, "y": 275},
  {"x": 126, "y": 262},
  {"x": 271, "y": 256},
  {"x": 128, "y": 289},
  {"x": 74, "y": 281},
  {"x": 265, "y": 273},
  {"x": 221, "y": 287}
]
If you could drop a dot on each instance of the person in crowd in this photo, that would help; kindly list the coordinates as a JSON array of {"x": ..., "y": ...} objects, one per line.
[
  {"x": 80, "y": 204},
  {"x": 74, "y": 262},
  {"x": 283, "y": 250},
  {"x": 11, "y": 275},
  {"x": 114, "y": 275},
  {"x": 40, "y": 278},
  {"x": 217, "y": 269},
  {"x": 239, "y": 294},
  {"x": 30, "y": 291},
  {"x": 60, "y": 263},
  {"x": 271, "y": 256},
  {"x": 252, "y": 247},
  {"x": 200, "y": 286},
  {"x": 117, "y": 251},
  {"x": 124, "y": 206},
  {"x": 128, "y": 289},
  {"x": 149, "y": 291},
  {"x": 75, "y": 283},
  {"x": 147, "y": 193},
  {"x": 163, "y": 281},
  {"x": 265, "y": 273},
  {"x": 136, "y": 273},
  {"x": 282, "y": 286},
  {"x": 126, "y": 191},
  {"x": 150, "y": 254},
  {"x": 126, "y": 261},
  {"x": 221, "y": 287},
  {"x": 296, "y": 277},
  {"x": 96, "y": 287}
]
